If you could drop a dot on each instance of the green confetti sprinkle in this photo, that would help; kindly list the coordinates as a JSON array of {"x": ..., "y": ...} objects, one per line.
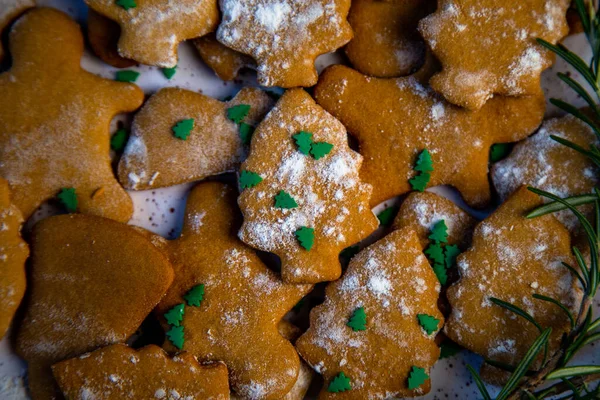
[
  {"x": 304, "y": 142},
  {"x": 238, "y": 113},
  {"x": 169, "y": 72},
  {"x": 439, "y": 233},
  {"x": 500, "y": 151},
  {"x": 249, "y": 179},
  {"x": 340, "y": 383},
  {"x": 450, "y": 254},
  {"x": 183, "y": 129},
  {"x": 306, "y": 237},
  {"x": 435, "y": 253},
  {"x": 358, "y": 320},
  {"x": 417, "y": 377},
  {"x": 424, "y": 162},
  {"x": 118, "y": 140},
  {"x": 126, "y": 4},
  {"x": 68, "y": 198},
  {"x": 428, "y": 323},
  {"x": 387, "y": 216},
  {"x": 175, "y": 315},
  {"x": 195, "y": 296},
  {"x": 440, "y": 272},
  {"x": 284, "y": 200},
  {"x": 246, "y": 132},
  {"x": 320, "y": 150},
  {"x": 176, "y": 336},
  {"x": 420, "y": 182},
  {"x": 127, "y": 76}
]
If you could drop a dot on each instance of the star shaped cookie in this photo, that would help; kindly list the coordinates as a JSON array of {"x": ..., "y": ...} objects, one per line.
[
  {"x": 237, "y": 319},
  {"x": 152, "y": 30},
  {"x": 285, "y": 36},
  {"x": 392, "y": 283},
  {"x": 408, "y": 118},
  {"x": 154, "y": 157},
  {"x": 9, "y": 11},
  {"x": 54, "y": 120},
  {"x": 488, "y": 47}
]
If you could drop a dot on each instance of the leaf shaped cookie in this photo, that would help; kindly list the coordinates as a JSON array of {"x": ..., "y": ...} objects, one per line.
[
  {"x": 333, "y": 203},
  {"x": 394, "y": 283},
  {"x": 11, "y": 9}
]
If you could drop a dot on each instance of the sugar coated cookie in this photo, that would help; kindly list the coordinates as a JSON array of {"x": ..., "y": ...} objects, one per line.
[
  {"x": 232, "y": 303},
  {"x": 13, "y": 253},
  {"x": 373, "y": 337},
  {"x": 302, "y": 196},
  {"x": 62, "y": 141},
  {"x": 386, "y": 42},
  {"x": 489, "y": 47},
  {"x": 395, "y": 120},
  {"x": 151, "y": 30},
  {"x": 511, "y": 259},
  {"x": 285, "y": 36},
  {"x": 9, "y": 11},
  {"x": 103, "y": 34},
  {"x": 92, "y": 283},
  {"x": 226, "y": 63},
  {"x": 118, "y": 372}
]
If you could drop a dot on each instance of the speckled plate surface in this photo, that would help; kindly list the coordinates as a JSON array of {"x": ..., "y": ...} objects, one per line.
[{"x": 161, "y": 210}]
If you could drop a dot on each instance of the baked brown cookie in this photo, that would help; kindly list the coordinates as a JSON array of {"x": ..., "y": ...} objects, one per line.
[
  {"x": 386, "y": 42},
  {"x": 103, "y": 34},
  {"x": 9, "y": 11},
  {"x": 226, "y": 63},
  {"x": 117, "y": 372},
  {"x": 157, "y": 155},
  {"x": 373, "y": 337},
  {"x": 302, "y": 197},
  {"x": 13, "y": 254},
  {"x": 92, "y": 283},
  {"x": 489, "y": 48},
  {"x": 395, "y": 120},
  {"x": 285, "y": 36},
  {"x": 61, "y": 140},
  {"x": 232, "y": 303},
  {"x": 151, "y": 30}
]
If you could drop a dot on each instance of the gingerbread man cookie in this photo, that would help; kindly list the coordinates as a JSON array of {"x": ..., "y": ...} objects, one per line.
[
  {"x": 302, "y": 197},
  {"x": 489, "y": 47},
  {"x": 103, "y": 34},
  {"x": 386, "y": 42},
  {"x": 92, "y": 283},
  {"x": 151, "y": 30},
  {"x": 118, "y": 372},
  {"x": 226, "y": 63},
  {"x": 385, "y": 304},
  {"x": 62, "y": 140},
  {"x": 9, "y": 11},
  {"x": 512, "y": 258},
  {"x": 13, "y": 254},
  {"x": 159, "y": 155},
  {"x": 285, "y": 36},
  {"x": 228, "y": 302},
  {"x": 396, "y": 120}
]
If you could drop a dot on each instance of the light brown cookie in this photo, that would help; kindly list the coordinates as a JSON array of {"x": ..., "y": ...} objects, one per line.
[
  {"x": 386, "y": 42},
  {"x": 156, "y": 156},
  {"x": 511, "y": 259},
  {"x": 395, "y": 287},
  {"x": 236, "y": 320},
  {"x": 152, "y": 29},
  {"x": 226, "y": 63},
  {"x": 488, "y": 47},
  {"x": 54, "y": 119},
  {"x": 9, "y": 11},
  {"x": 117, "y": 372},
  {"x": 285, "y": 36},
  {"x": 13, "y": 254},
  {"x": 103, "y": 34},
  {"x": 92, "y": 283},
  {"x": 302, "y": 196},
  {"x": 394, "y": 120}
]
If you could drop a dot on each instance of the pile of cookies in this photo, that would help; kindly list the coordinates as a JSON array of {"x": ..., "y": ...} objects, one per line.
[{"x": 107, "y": 310}]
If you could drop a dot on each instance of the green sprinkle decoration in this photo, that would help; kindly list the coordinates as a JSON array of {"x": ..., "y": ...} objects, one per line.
[
  {"x": 246, "y": 132},
  {"x": 420, "y": 182},
  {"x": 183, "y": 129},
  {"x": 417, "y": 377},
  {"x": 439, "y": 233},
  {"x": 284, "y": 200},
  {"x": 428, "y": 323},
  {"x": 424, "y": 162},
  {"x": 440, "y": 272},
  {"x": 358, "y": 320},
  {"x": 238, "y": 113},
  {"x": 304, "y": 142},
  {"x": 175, "y": 336},
  {"x": 195, "y": 296},
  {"x": 349, "y": 252},
  {"x": 320, "y": 149},
  {"x": 387, "y": 216},
  {"x": 424, "y": 166},
  {"x": 340, "y": 383},
  {"x": 500, "y": 151},
  {"x": 169, "y": 72},
  {"x": 126, "y": 4},
  {"x": 174, "y": 316},
  {"x": 435, "y": 253},
  {"x": 450, "y": 254},
  {"x": 127, "y": 76},
  {"x": 118, "y": 140},
  {"x": 249, "y": 179},
  {"x": 306, "y": 237},
  {"x": 68, "y": 198}
]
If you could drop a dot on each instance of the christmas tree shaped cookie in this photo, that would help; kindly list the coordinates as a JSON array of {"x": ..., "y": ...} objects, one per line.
[
  {"x": 182, "y": 136},
  {"x": 151, "y": 30},
  {"x": 118, "y": 372},
  {"x": 235, "y": 320},
  {"x": 302, "y": 150},
  {"x": 54, "y": 120},
  {"x": 11, "y": 9},
  {"x": 396, "y": 291},
  {"x": 409, "y": 118}
]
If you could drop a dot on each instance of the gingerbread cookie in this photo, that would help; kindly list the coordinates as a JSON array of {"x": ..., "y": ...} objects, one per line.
[
  {"x": 118, "y": 372},
  {"x": 407, "y": 118},
  {"x": 285, "y": 36},
  {"x": 13, "y": 254},
  {"x": 226, "y": 63},
  {"x": 225, "y": 304},
  {"x": 151, "y": 30},
  {"x": 62, "y": 141},
  {"x": 92, "y": 283},
  {"x": 302, "y": 197},
  {"x": 103, "y": 34},
  {"x": 160, "y": 154},
  {"x": 9, "y": 11},
  {"x": 385, "y": 304},
  {"x": 386, "y": 42},
  {"x": 488, "y": 47},
  {"x": 511, "y": 259}
]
